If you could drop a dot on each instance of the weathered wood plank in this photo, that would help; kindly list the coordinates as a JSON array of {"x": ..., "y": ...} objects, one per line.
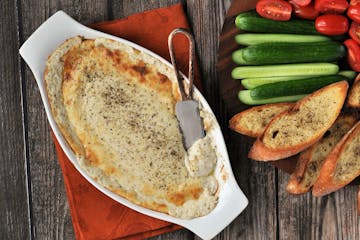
[
  {"x": 50, "y": 213},
  {"x": 296, "y": 212},
  {"x": 258, "y": 180},
  {"x": 348, "y": 224},
  {"x": 124, "y": 8},
  {"x": 182, "y": 234},
  {"x": 306, "y": 217},
  {"x": 14, "y": 217},
  {"x": 206, "y": 19},
  {"x": 300, "y": 217}
]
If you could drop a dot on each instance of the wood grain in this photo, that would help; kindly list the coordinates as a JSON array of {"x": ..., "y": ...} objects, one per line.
[
  {"x": 14, "y": 208},
  {"x": 206, "y": 19},
  {"x": 38, "y": 209},
  {"x": 257, "y": 180},
  {"x": 299, "y": 217},
  {"x": 330, "y": 217},
  {"x": 50, "y": 213},
  {"x": 206, "y": 27},
  {"x": 124, "y": 8}
]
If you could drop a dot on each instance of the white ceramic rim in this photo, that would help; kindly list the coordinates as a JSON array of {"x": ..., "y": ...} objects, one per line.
[{"x": 41, "y": 44}]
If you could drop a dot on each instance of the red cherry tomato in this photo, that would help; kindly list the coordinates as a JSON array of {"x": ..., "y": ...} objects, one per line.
[
  {"x": 354, "y": 2},
  {"x": 331, "y": 6},
  {"x": 331, "y": 24},
  {"x": 302, "y": 3},
  {"x": 274, "y": 9},
  {"x": 353, "y": 12},
  {"x": 354, "y": 32},
  {"x": 353, "y": 55},
  {"x": 307, "y": 12}
]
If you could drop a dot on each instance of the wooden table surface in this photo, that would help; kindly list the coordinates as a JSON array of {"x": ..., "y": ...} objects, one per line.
[{"x": 33, "y": 202}]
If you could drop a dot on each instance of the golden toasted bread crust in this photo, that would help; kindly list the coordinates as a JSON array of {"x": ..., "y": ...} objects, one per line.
[
  {"x": 294, "y": 185},
  {"x": 253, "y": 121},
  {"x": 326, "y": 182},
  {"x": 277, "y": 142},
  {"x": 354, "y": 94},
  {"x": 311, "y": 160}
]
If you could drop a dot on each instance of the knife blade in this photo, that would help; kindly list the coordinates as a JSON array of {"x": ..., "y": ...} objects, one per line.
[
  {"x": 190, "y": 122},
  {"x": 187, "y": 109}
]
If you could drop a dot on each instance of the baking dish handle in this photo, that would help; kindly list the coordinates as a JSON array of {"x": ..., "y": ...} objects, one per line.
[
  {"x": 234, "y": 203},
  {"x": 45, "y": 39}
]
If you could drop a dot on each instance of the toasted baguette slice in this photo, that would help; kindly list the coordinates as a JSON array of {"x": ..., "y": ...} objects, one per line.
[
  {"x": 310, "y": 161},
  {"x": 354, "y": 94},
  {"x": 302, "y": 125},
  {"x": 253, "y": 121},
  {"x": 341, "y": 166}
]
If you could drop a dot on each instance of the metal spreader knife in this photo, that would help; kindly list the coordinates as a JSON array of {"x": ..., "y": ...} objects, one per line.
[{"x": 187, "y": 110}]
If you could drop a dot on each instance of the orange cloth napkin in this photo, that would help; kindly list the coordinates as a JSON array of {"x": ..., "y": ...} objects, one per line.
[{"x": 94, "y": 215}]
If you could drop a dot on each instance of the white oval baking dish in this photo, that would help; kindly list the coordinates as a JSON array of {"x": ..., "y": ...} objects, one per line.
[{"x": 232, "y": 201}]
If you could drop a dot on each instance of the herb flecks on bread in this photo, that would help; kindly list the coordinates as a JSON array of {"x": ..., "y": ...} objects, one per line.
[
  {"x": 253, "y": 121},
  {"x": 341, "y": 166},
  {"x": 302, "y": 125},
  {"x": 311, "y": 160}
]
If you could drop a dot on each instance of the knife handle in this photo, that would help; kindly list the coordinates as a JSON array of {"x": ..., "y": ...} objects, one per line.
[{"x": 189, "y": 94}]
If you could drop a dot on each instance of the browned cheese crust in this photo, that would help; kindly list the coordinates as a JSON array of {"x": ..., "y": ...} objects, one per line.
[{"x": 117, "y": 106}]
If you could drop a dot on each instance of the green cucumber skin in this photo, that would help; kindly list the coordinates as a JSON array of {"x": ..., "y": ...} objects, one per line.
[
  {"x": 253, "y": 22},
  {"x": 244, "y": 97},
  {"x": 304, "y": 69},
  {"x": 237, "y": 57},
  {"x": 277, "y": 53},
  {"x": 351, "y": 75},
  {"x": 251, "y": 83},
  {"x": 293, "y": 87},
  {"x": 248, "y": 39}
]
